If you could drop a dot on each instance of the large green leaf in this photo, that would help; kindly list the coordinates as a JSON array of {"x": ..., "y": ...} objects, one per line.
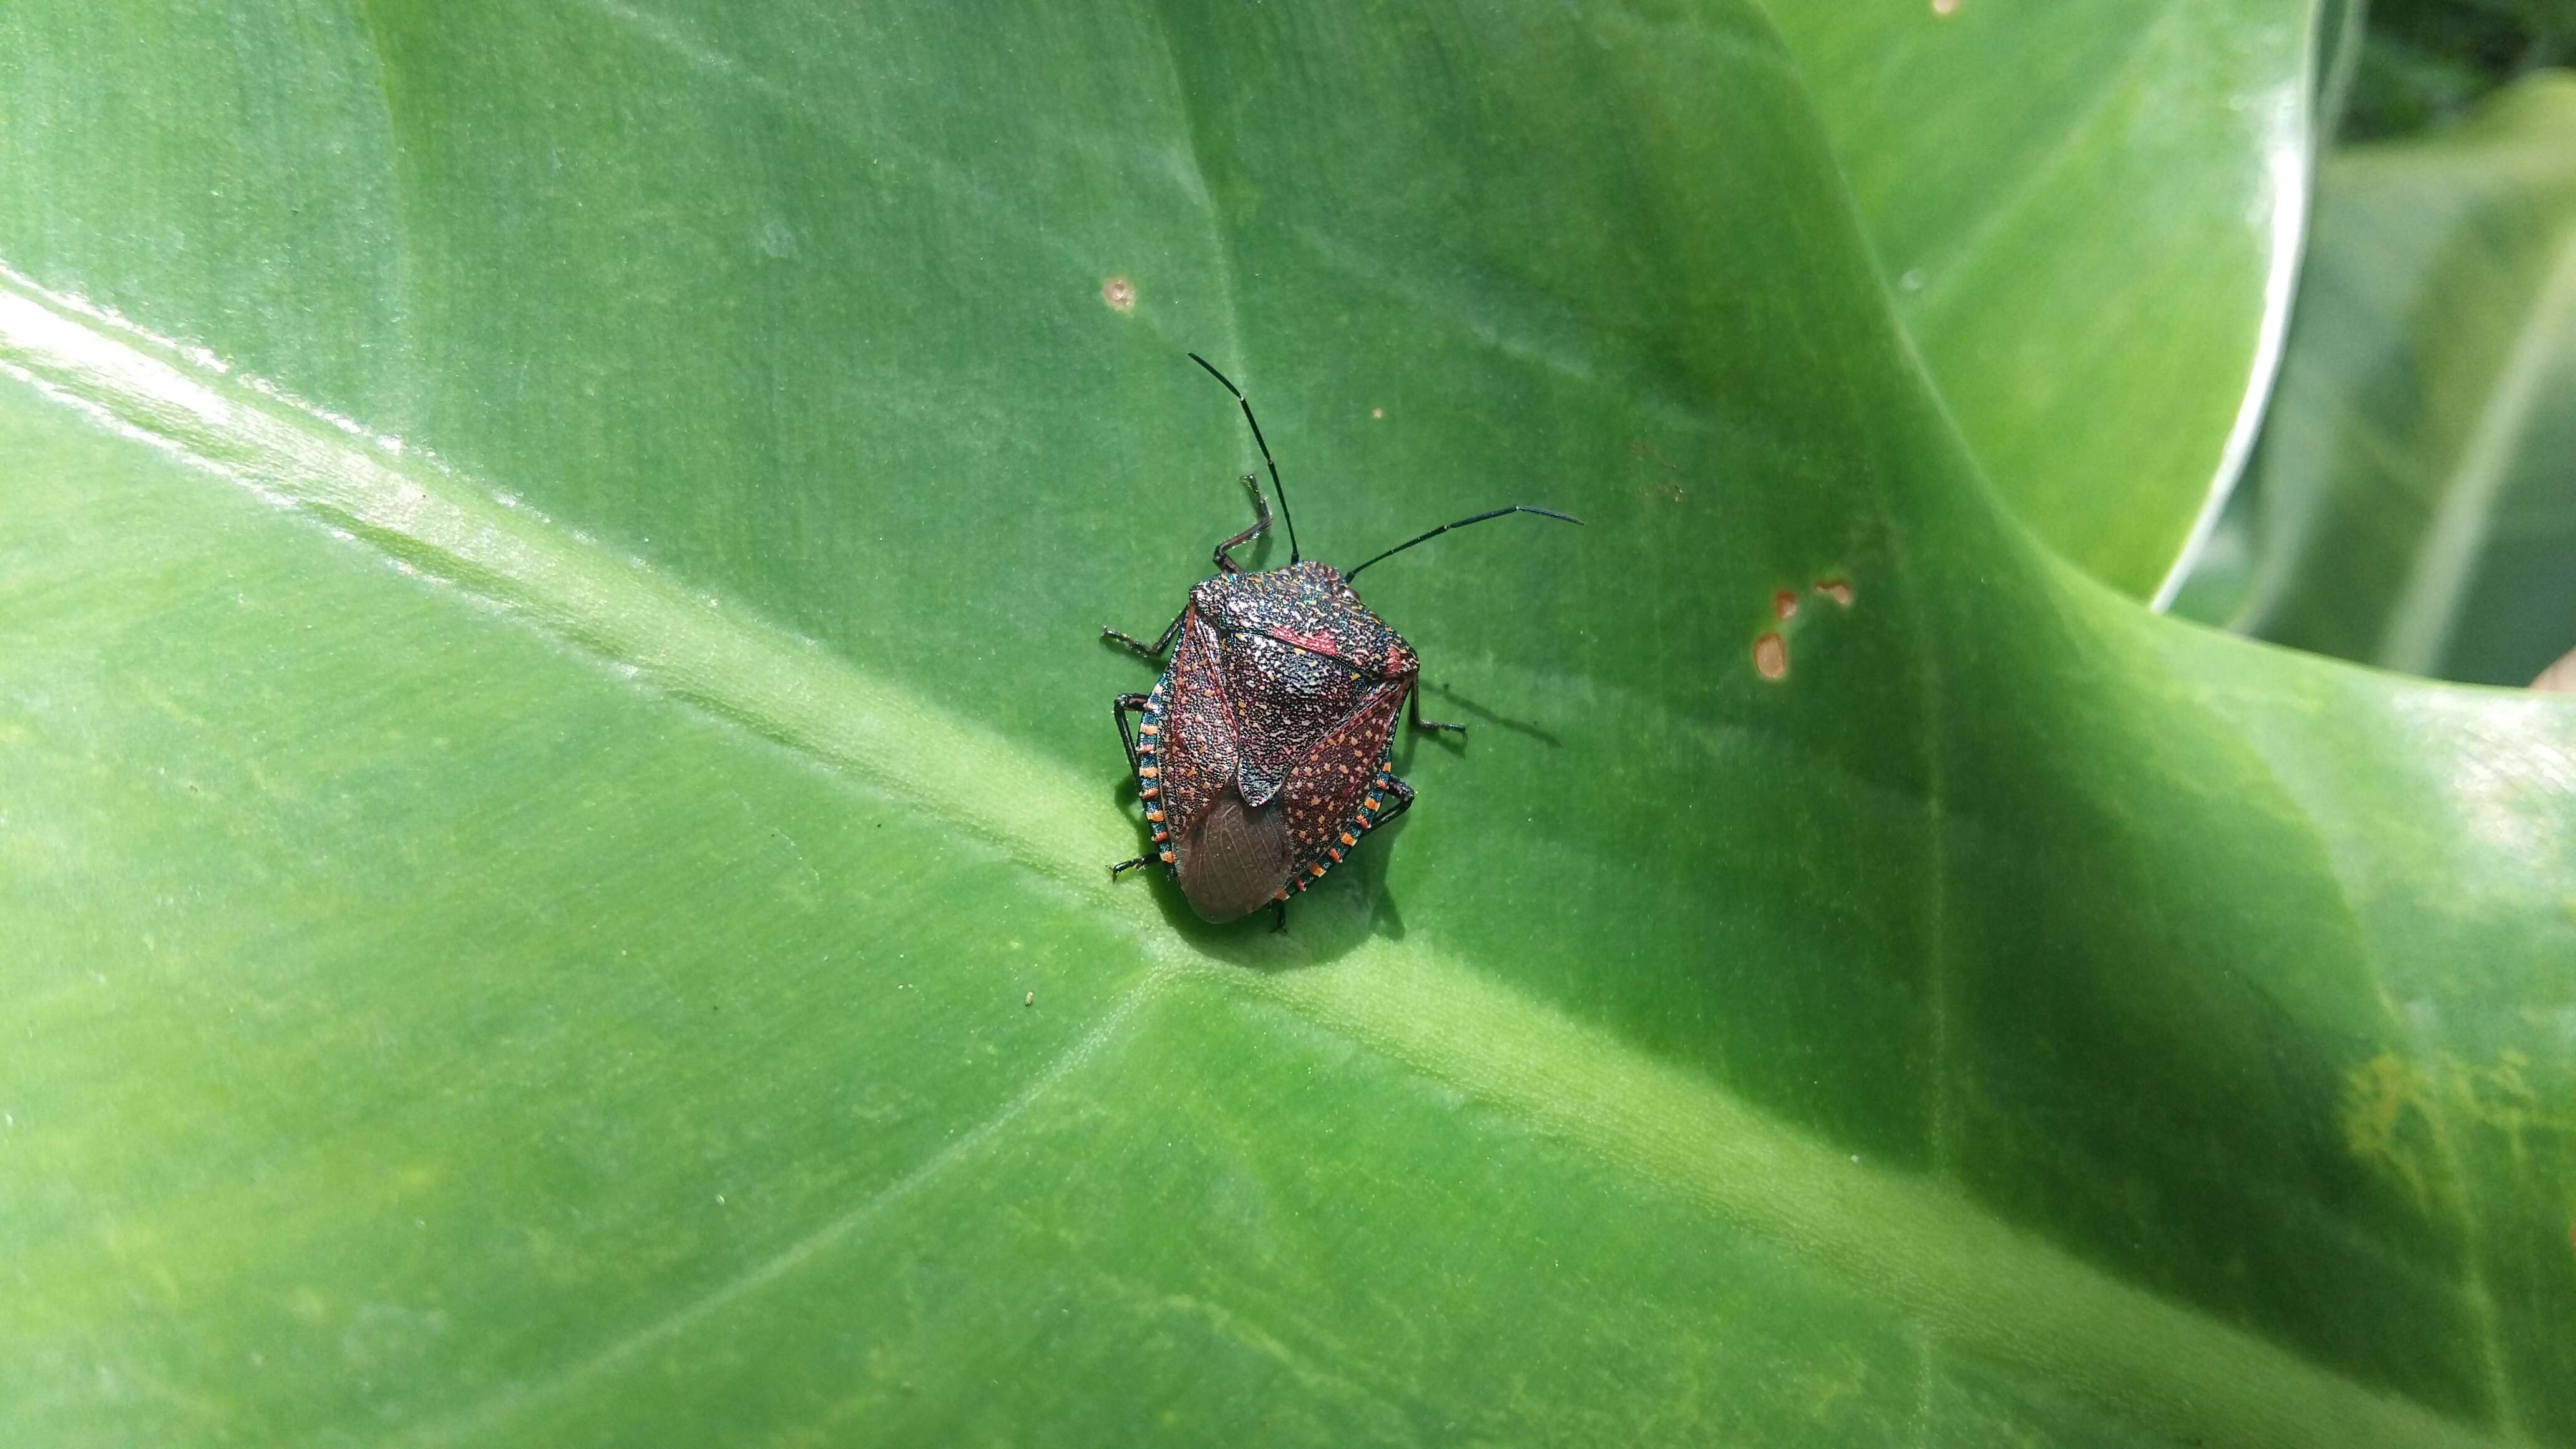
[
  {"x": 554, "y": 779},
  {"x": 2089, "y": 212},
  {"x": 2412, "y": 504}
]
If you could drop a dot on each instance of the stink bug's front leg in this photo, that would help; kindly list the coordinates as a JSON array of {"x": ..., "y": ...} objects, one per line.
[
  {"x": 1413, "y": 711},
  {"x": 1260, "y": 525},
  {"x": 1153, "y": 651}
]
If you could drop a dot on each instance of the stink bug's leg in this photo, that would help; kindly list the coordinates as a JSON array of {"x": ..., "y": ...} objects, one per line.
[
  {"x": 1260, "y": 525},
  {"x": 1413, "y": 711},
  {"x": 1154, "y": 650},
  {"x": 1278, "y": 917},
  {"x": 1127, "y": 865},
  {"x": 1403, "y": 794},
  {"x": 1275, "y": 485},
  {"x": 1118, "y": 709}
]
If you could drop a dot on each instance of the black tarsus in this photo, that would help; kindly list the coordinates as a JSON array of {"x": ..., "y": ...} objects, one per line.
[
  {"x": 1275, "y": 485},
  {"x": 1462, "y": 523},
  {"x": 1131, "y": 864},
  {"x": 1154, "y": 650}
]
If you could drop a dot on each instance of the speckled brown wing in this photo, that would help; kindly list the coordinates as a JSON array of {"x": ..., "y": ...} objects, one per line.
[
  {"x": 1337, "y": 792},
  {"x": 1195, "y": 755}
]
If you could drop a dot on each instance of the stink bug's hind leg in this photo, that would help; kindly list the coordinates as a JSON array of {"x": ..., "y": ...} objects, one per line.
[
  {"x": 1127, "y": 865},
  {"x": 1153, "y": 651},
  {"x": 1403, "y": 794},
  {"x": 1278, "y": 915},
  {"x": 1413, "y": 711},
  {"x": 1260, "y": 525},
  {"x": 1119, "y": 709}
]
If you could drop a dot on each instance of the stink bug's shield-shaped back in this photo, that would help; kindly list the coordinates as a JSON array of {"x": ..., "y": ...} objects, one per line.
[{"x": 1263, "y": 750}]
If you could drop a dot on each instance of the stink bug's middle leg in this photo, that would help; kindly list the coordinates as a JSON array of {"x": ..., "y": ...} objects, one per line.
[
  {"x": 1413, "y": 712},
  {"x": 1119, "y": 709},
  {"x": 1127, "y": 865},
  {"x": 1154, "y": 651}
]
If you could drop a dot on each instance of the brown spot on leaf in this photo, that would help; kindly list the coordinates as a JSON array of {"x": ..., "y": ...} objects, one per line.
[
  {"x": 1784, "y": 605},
  {"x": 1837, "y": 590},
  {"x": 1119, "y": 293},
  {"x": 1770, "y": 656}
]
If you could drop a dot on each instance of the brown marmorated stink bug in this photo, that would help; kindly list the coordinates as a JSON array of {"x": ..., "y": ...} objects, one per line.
[{"x": 1263, "y": 753}]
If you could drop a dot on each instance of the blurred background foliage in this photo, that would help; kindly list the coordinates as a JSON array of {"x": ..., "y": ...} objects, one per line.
[
  {"x": 2424, "y": 63},
  {"x": 2411, "y": 501}
]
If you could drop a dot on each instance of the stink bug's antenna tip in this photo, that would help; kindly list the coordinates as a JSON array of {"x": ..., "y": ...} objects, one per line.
[
  {"x": 1462, "y": 523},
  {"x": 1275, "y": 485}
]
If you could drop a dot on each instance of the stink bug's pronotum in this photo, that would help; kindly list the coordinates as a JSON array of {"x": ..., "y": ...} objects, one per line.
[{"x": 1262, "y": 755}]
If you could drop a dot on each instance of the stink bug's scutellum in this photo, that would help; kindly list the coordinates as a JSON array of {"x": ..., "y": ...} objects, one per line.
[{"x": 1262, "y": 754}]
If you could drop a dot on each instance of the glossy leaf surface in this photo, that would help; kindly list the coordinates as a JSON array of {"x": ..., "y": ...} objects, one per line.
[
  {"x": 587, "y": 925},
  {"x": 2413, "y": 504},
  {"x": 2088, "y": 213}
]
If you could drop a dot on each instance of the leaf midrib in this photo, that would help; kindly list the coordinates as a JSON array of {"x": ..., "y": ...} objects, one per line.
[{"x": 1989, "y": 1287}]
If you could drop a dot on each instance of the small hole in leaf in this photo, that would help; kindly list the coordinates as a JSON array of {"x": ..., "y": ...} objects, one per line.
[
  {"x": 1784, "y": 605},
  {"x": 1119, "y": 293},
  {"x": 1770, "y": 656},
  {"x": 1377, "y": 412},
  {"x": 1945, "y": 7}
]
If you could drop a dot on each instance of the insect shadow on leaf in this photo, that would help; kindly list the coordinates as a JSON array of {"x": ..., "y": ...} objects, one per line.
[
  {"x": 1261, "y": 755},
  {"x": 1483, "y": 715}
]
